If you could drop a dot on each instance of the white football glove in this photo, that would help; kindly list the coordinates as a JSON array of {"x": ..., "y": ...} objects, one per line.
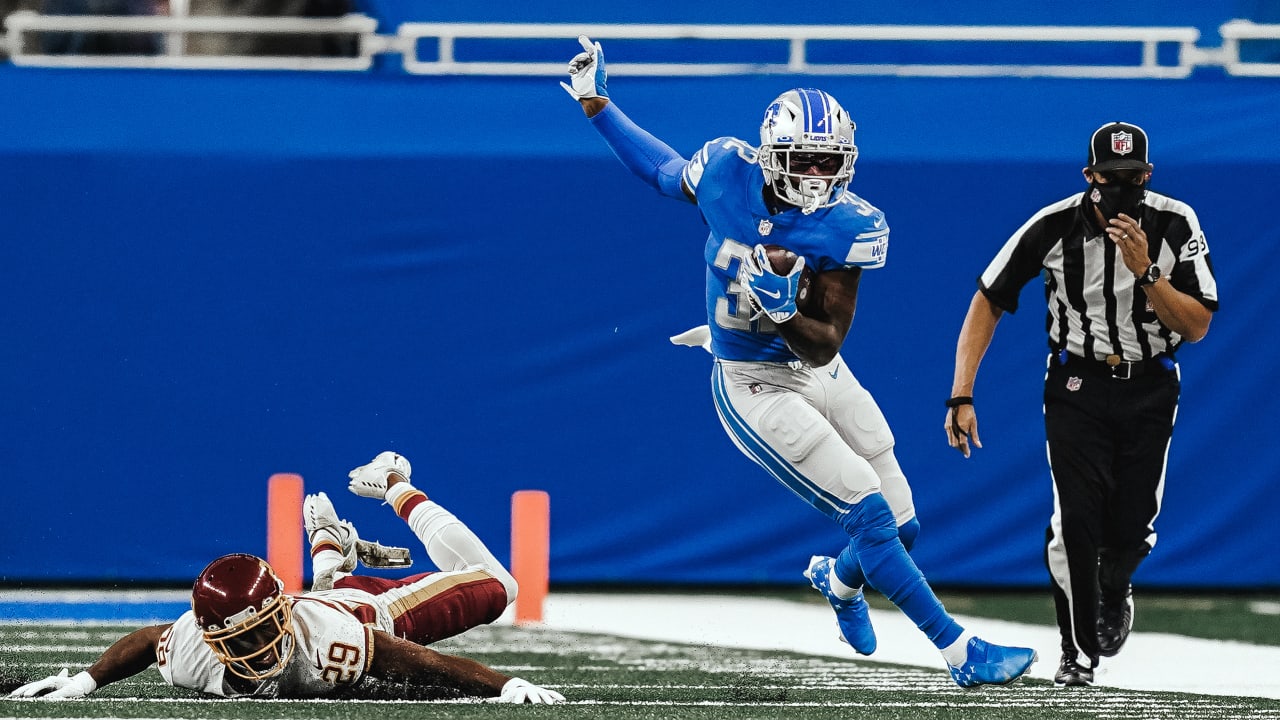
[
  {"x": 586, "y": 72},
  {"x": 59, "y": 687},
  {"x": 523, "y": 691}
]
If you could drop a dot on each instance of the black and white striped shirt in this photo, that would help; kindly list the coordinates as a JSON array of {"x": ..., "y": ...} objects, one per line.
[{"x": 1096, "y": 308}]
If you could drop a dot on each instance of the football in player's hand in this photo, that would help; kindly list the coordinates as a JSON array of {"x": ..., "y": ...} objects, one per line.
[{"x": 782, "y": 261}]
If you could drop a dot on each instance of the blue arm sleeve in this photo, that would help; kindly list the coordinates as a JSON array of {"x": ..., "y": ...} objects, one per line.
[{"x": 646, "y": 156}]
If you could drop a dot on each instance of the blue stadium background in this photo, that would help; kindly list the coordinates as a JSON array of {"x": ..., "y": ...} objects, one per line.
[{"x": 210, "y": 277}]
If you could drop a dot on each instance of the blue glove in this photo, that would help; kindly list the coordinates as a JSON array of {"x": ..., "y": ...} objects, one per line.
[
  {"x": 768, "y": 292},
  {"x": 586, "y": 72}
]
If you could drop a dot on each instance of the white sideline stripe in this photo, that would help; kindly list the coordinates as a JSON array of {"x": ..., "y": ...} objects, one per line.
[
  {"x": 95, "y": 596},
  {"x": 91, "y": 649},
  {"x": 1150, "y": 661}
]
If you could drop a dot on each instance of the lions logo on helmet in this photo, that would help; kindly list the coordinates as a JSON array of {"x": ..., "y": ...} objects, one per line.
[
  {"x": 806, "y": 148},
  {"x": 245, "y": 615}
]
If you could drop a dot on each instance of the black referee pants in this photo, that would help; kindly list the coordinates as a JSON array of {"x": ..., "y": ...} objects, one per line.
[{"x": 1108, "y": 440}]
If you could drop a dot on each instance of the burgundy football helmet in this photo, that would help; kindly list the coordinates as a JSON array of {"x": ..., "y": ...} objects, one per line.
[{"x": 245, "y": 615}]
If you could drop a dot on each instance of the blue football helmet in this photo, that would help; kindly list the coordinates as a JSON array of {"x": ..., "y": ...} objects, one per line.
[{"x": 806, "y": 148}]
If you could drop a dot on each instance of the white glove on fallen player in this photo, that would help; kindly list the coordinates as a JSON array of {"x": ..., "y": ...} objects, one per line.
[
  {"x": 586, "y": 72},
  {"x": 523, "y": 691},
  {"x": 59, "y": 687}
]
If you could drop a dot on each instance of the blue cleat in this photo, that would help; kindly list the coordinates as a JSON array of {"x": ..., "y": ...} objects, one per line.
[
  {"x": 988, "y": 664},
  {"x": 852, "y": 615}
]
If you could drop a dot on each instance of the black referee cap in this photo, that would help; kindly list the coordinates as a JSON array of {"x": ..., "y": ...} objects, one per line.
[{"x": 1118, "y": 146}]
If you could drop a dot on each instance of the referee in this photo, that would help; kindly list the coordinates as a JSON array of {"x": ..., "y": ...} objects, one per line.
[{"x": 1127, "y": 279}]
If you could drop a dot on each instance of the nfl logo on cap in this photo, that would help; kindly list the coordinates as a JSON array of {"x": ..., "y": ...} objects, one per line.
[{"x": 1122, "y": 143}]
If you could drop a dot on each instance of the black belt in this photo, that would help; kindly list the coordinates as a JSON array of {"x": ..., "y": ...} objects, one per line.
[{"x": 1113, "y": 367}]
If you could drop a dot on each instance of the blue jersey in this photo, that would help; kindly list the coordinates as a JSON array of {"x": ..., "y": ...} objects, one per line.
[{"x": 727, "y": 182}]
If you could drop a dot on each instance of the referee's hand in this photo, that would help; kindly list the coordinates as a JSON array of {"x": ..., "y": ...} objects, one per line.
[
  {"x": 962, "y": 428},
  {"x": 1128, "y": 235}
]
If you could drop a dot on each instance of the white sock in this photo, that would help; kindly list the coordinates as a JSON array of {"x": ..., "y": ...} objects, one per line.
[
  {"x": 396, "y": 493},
  {"x": 324, "y": 567},
  {"x": 325, "y": 561},
  {"x": 957, "y": 652},
  {"x": 450, "y": 544},
  {"x": 326, "y": 556}
]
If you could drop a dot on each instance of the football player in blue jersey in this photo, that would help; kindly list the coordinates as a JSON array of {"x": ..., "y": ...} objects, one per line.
[{"x": 783, "y": 393}]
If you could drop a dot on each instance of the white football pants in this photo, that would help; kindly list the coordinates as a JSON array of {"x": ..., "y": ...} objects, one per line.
[{"x": 816, "y": 430}]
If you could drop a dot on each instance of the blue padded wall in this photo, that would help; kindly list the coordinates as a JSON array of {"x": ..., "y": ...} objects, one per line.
[{"x": 212, "y": 277}]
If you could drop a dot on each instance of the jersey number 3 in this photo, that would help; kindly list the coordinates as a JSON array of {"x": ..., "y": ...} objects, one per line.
[{"x": 735, "y": 294}]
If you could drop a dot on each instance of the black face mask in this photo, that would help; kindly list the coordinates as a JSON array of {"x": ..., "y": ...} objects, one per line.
[{"x": 1115, "y": 198}]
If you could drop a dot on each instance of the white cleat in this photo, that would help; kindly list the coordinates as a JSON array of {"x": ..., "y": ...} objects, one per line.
[
  {"x": 371, "y": 480},
  {"x": 322, "y": 525}
]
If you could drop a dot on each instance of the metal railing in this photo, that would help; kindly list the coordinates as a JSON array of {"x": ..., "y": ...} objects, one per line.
[
  {"x": 438, "y": 48},
  {"x": 360, "y": 27},
  {"x": 798, "y": 39},
  {"x": 1237, "y": 30}
]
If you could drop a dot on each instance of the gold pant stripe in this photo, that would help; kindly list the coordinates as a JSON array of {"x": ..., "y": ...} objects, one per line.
[{"x": 411, "y": 596}]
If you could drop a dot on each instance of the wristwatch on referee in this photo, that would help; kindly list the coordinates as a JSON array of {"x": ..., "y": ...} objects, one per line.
[{"x": 1150, "y": 276}]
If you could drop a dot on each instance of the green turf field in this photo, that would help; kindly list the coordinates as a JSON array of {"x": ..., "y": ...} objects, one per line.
[{"x": 624, "y": 679}]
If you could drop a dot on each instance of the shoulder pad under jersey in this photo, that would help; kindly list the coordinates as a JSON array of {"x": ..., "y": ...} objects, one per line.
[{"x": 709, "y": 161}]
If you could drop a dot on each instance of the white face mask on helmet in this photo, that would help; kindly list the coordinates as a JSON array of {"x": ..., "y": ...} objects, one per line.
[{"x": 806, "y": 148}]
